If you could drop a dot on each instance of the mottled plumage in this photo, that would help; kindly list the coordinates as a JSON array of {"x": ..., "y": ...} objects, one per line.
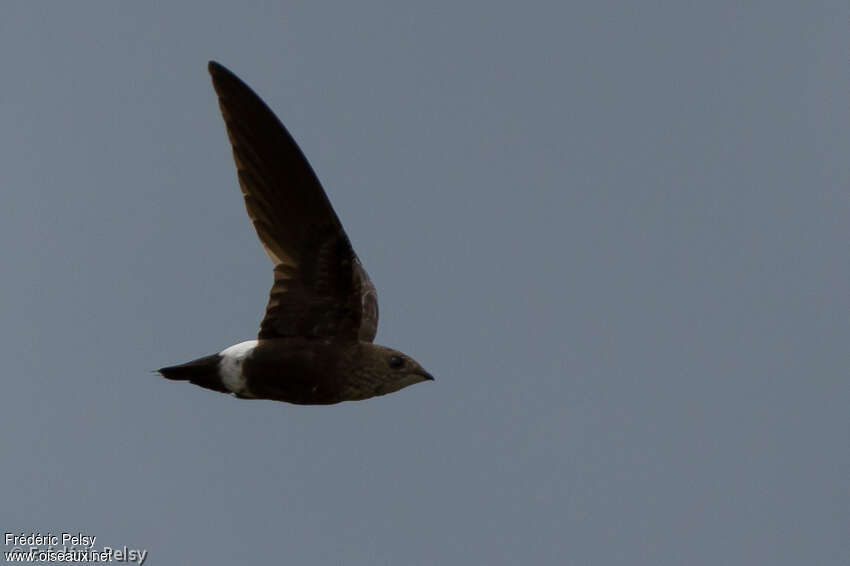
[{"x": 315, "y": 341}]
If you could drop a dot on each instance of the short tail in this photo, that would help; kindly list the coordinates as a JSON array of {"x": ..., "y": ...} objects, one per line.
[{"x": 203, "y": 372}]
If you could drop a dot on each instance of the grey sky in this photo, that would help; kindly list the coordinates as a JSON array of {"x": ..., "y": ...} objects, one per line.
[{"x": 616, "y": 232}]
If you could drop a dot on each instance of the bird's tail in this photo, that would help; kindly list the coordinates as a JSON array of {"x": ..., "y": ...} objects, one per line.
[{"x": 203, "y": 372}]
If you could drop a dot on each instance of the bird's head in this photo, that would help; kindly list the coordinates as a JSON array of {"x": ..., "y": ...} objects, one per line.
[{"x": 384, "y": 370}]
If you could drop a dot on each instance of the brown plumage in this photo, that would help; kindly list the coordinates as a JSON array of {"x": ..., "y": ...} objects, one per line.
[{"x": 315, "y": 341}]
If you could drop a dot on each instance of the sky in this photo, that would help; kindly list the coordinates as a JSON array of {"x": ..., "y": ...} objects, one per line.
[{"x": 616, "y": 233}]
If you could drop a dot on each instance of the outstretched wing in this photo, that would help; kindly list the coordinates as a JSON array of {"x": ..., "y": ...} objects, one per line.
[{"x": 320, "y": 289}]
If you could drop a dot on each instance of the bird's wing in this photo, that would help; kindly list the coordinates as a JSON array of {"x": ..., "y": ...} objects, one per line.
[{"x": 320, "y": 289}]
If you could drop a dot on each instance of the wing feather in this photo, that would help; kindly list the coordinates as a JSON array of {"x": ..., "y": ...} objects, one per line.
[{"x": 320, "y": 288}]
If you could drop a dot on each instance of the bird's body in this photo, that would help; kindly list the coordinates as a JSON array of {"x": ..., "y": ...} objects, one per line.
[
  {"x": 315, "y": 342},
  {"x": 296, "y": 370}
]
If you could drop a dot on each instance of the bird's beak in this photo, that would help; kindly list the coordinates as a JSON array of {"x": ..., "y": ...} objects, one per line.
[{"x": 428, "y": 376}]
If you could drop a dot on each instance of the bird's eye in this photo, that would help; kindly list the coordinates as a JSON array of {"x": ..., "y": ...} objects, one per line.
[{"x": 396, "y": 362}]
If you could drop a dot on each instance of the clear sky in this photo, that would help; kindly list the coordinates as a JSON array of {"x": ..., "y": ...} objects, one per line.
[{"x": 616, "y": 232}]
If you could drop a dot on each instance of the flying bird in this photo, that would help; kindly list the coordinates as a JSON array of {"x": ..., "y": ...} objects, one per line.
[{"x": 315, "y": 345}]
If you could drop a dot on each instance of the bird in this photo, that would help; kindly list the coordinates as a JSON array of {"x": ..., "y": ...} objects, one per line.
[{"x": 315, "y": 342}]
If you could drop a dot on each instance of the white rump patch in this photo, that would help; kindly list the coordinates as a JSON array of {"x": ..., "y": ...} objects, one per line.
[{"x": 230, "y": 367}]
